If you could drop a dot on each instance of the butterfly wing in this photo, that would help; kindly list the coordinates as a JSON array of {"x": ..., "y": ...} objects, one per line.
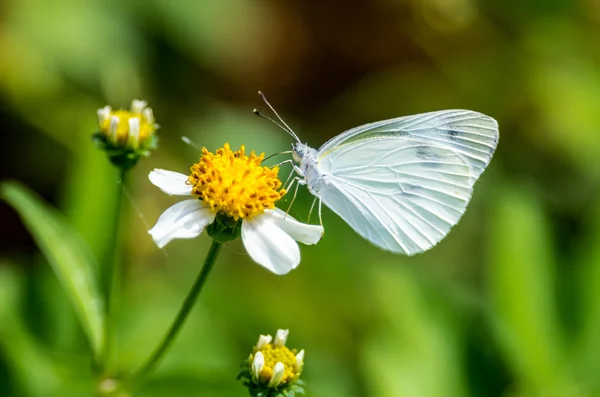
[
  {"x": 400, "y": 193},
  {"x": 471, "y": 134}
]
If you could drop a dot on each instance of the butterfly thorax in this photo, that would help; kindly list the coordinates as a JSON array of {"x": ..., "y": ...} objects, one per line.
[{"x": 306, "y": 157}]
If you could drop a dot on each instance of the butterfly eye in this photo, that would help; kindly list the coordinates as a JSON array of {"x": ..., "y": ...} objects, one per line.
[{"x": 297, "y": 152}]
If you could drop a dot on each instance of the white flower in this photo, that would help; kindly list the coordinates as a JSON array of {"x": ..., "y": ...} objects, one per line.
[
  {"x": 130, "y": 129},
  {"x": 269, "y": 237},
  {"x": 273, "y": 369}
]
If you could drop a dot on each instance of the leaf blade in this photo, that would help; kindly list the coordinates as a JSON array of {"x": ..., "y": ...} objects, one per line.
[{"x": 68, "y": 255}]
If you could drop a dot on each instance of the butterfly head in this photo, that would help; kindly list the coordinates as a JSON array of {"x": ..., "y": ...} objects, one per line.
[{"x": 300, "y": 151}]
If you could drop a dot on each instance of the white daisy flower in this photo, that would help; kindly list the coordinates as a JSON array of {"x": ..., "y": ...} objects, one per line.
[{"x": 234, "y": 185}]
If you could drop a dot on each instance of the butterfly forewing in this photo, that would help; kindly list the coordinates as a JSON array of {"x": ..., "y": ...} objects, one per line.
[
  {"x": 400, "y": 193},
  {"x": 471, "y": 134}
]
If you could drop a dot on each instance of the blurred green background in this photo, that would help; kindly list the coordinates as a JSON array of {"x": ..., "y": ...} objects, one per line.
[{"x": 507, "y": 305}]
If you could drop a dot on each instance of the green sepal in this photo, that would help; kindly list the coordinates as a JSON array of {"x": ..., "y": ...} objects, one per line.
[
  {"x": 224, "y": 228},
  {"x": 282, "y": 391},
  {"x": 124, "y": 157}
]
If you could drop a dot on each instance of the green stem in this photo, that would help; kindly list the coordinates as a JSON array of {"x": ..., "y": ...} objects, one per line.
[
  {"x": 184, "y": 311},
  {"x": 112, "y": 272}
]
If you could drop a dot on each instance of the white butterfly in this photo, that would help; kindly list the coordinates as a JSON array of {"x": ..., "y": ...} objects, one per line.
[{"x": 400, "y": 183}]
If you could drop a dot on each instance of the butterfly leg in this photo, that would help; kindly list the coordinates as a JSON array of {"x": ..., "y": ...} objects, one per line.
[
  {"x": 288, "y": 161},
  {"x": 287, "y": 189},
  {"x": 311, "y": 209},
  {"x": 299, "y": 181},
  {"x": 297, "y": 178},
  {"x": 289, "y": 186},
  {"x": 320, "y": 217}
]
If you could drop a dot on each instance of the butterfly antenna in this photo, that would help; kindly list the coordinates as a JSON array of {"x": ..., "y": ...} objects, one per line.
[
  {"x": 259, "y": 114},
  {"x": 288, "y": 129}
]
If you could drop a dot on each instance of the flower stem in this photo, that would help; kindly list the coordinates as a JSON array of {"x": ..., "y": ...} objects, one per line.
[
  {"x": 112, "y": 272},
  {"x": 184, "y": 311}
]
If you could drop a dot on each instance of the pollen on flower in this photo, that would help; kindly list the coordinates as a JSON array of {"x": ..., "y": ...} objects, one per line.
[
  {"x": 235, "y": 184},
  {"x": 278, "y": 354}
]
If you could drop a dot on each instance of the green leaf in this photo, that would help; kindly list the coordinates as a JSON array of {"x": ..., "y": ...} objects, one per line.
[{"x": 68, "y": 255}]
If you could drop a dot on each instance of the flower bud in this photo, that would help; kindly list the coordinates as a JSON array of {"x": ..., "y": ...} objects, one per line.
[
  {"x": 126, "y": 135},
  {"x": 273, "y": 369}
]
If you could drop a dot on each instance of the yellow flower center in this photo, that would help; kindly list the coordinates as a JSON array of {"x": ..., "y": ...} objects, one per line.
[
  {"x": 234, "y": 184},
  {"x": 275, "y": 354},
  {"x": 122, "y": 135}
]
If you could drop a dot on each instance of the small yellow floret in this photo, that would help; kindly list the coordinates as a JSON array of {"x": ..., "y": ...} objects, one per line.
[
  {"x": 274, "y": 354},
  {"x": 234, "y": 184}
]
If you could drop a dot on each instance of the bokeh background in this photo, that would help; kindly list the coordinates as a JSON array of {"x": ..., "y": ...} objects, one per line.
[{"x": 507, "y": 305}]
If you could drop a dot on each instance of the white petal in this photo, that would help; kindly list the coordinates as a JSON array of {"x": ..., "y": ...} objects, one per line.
[
  {"x": 302, "y": 232},
  {"x": 281, "y": 337},
  {"x": 134, "y": 132},
  {"x": 186, "y": 219},
  {"x": 103, "y": 115},
  {"x": 113, "y": 128},
  {"x": 170, "y": 182},
  {"x": 137, "y": 106},
  {"x": 148, "y": 115},
  {"x": 300, "y": 361},
  {"x": 257, "y": 365},
  {"x": 270, "y": 246},
  {"x": 278, "y": 372},
  {"x": 263, "y": 340}
]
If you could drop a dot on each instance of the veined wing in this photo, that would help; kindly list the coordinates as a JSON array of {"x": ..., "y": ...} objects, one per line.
[
  {"x": 401, "y": 194},
  {"x": 472, "y": 134}
]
